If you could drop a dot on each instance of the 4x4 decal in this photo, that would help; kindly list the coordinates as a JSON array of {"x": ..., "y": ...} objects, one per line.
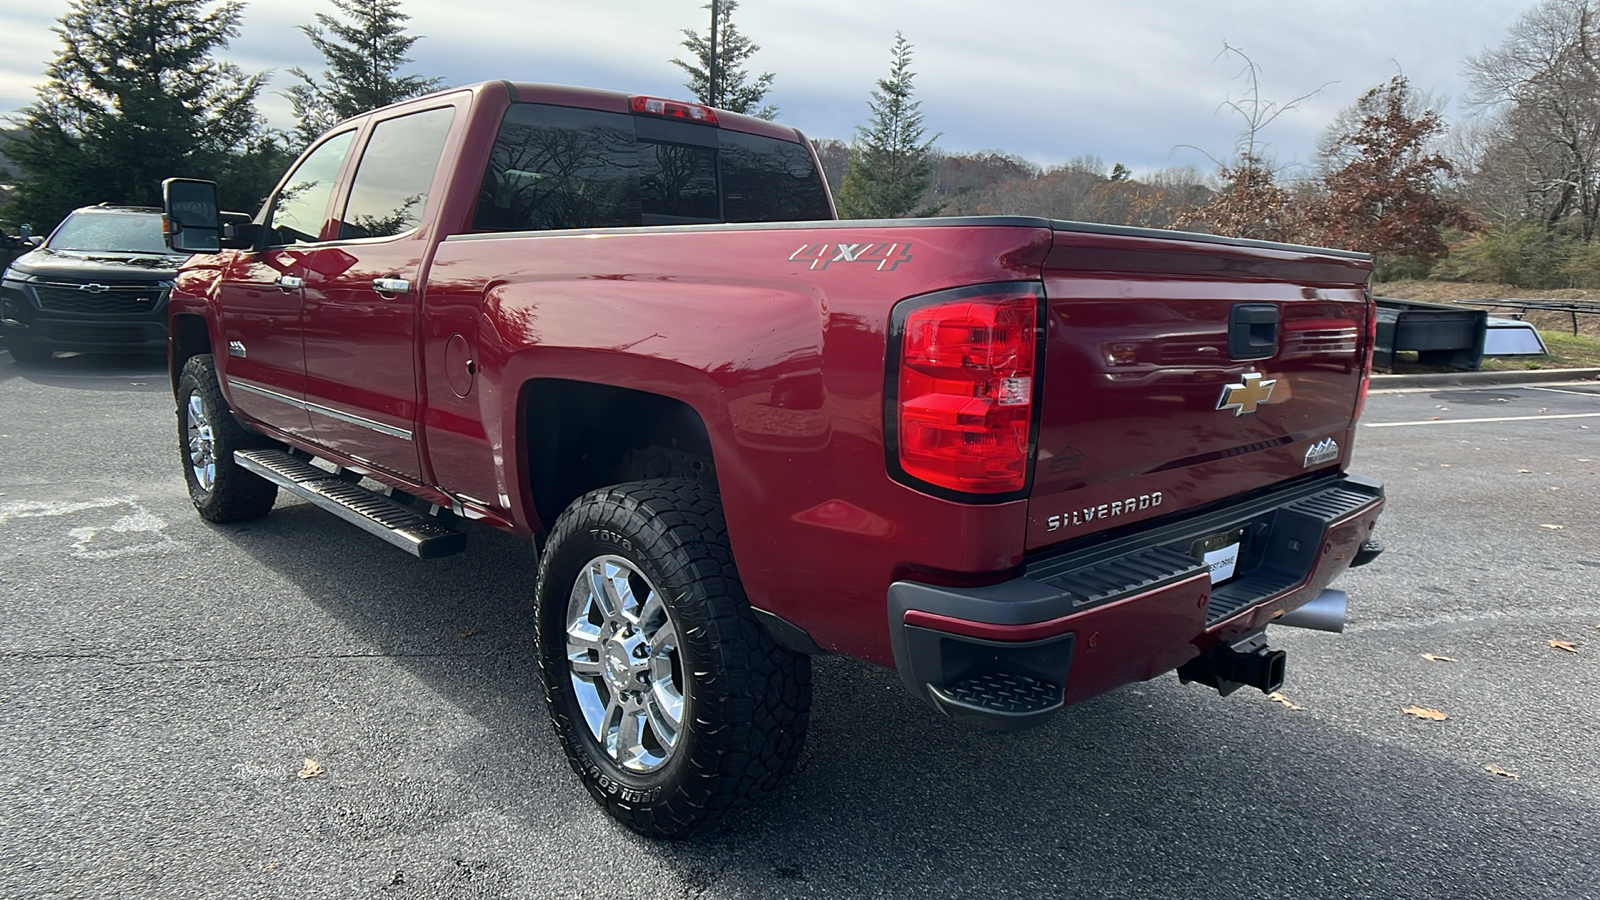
[{"x": 885, "y": 256}]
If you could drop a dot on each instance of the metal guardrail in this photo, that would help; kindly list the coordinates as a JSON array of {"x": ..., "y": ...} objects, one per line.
[{"x": 1575, "y": 308}]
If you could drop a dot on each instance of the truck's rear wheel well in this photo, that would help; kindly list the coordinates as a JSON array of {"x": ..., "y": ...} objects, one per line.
[
  {"x": 189, "y": 339},
  {"x": 582, "y": 436}
]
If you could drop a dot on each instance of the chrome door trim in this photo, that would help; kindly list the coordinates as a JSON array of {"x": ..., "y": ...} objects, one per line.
[{"x": 401, "y": 433}]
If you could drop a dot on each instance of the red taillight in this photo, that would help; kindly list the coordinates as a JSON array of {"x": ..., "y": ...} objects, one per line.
[
  {"x": 674, "y": 109},
  {"x": 1366, "y": 363},
  {"x": 965, "y": 386}
]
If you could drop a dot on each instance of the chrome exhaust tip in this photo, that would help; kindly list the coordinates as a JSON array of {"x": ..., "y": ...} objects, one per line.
[{"x": 1326, "y": 612}]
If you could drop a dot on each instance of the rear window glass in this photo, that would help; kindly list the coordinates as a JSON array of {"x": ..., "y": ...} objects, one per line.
[
  {"x": 557, "y": 167},
  {"x": 123, "y": 232}
]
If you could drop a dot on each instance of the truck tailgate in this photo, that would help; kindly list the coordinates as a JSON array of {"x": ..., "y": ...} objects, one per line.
[{"x": 1183, "y": 371}]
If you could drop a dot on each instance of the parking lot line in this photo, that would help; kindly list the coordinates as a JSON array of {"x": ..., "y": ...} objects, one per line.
[{"x": 1593, "y": 415}]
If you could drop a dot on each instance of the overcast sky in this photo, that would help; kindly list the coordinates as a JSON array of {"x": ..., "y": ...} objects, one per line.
[{"x": 1048, "y": 80}]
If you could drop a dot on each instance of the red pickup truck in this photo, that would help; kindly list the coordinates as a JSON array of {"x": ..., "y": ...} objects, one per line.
[{"x": 1022, "y": 461}]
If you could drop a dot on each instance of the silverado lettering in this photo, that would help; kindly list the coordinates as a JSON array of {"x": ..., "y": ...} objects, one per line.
[
  {"x": 731, "y": 454},
  {"x": 1105, "y": 510}
]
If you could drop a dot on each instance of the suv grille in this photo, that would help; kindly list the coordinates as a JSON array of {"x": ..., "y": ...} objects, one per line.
[{"x": 115, "y": 299}]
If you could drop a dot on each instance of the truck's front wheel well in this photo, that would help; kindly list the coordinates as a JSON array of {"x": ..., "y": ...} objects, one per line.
[
  {"x": 581, "y": 437},
  {"x": 189, "y": 339}
]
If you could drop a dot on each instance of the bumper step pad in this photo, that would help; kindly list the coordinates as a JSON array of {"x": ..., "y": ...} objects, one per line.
[
  {"x": 411, "y": 531},
  {"x": 996, "y": 697}
]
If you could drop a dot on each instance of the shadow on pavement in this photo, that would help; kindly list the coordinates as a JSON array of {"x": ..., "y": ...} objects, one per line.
[
  {"x": 1155, "y": 790},
  {"x": 101, "y": 372}
]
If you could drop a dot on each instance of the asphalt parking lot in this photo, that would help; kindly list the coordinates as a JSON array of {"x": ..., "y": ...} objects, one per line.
[{"x": 163, "y": 683}]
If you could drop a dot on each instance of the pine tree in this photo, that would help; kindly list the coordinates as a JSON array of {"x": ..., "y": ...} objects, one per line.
[
  {"x": 890, "y": 166},
  {"x": 716, "y": 73},
  {"x": 364, "y": 52},
  {"x": 134, "y": 96}
]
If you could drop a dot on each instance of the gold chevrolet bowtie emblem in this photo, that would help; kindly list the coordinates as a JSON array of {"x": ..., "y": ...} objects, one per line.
[{"x": 1245, "y": 395}]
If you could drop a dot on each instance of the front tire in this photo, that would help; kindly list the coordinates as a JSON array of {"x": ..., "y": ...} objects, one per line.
[
  {"x": 222, "y": 490},
  {"x": 672, "y": 703}
]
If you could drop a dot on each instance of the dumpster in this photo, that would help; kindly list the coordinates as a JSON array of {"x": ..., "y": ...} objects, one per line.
[{"x": 1441, "y": 334}]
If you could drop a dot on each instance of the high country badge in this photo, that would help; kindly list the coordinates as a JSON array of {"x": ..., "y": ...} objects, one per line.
[{"x": 1323, "y": 451}]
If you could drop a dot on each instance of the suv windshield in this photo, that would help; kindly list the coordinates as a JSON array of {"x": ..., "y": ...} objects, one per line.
[{"x": 123, "y": 232}]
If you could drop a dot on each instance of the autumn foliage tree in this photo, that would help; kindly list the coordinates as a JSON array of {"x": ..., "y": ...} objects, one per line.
[
  {"x": 1383, "y": 181},
  {"x": 1249, "y": 204}
]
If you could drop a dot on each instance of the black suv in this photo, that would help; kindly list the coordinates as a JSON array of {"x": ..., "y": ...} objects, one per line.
[{"x": 99, "y": 283}]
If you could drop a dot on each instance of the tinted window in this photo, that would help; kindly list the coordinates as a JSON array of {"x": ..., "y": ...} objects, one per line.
[
  {"x": 394, "y": 175},
  {"x": 300, "y": 207},
  {"x": 677, "y": 182},
  {"x": 554, "y": 167},
  {"x": 767, "y": 180},
  {"x": 131, "y": 232}
]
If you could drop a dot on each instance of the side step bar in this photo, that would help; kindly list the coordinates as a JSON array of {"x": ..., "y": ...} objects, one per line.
[{"x": 401, "y": 526}]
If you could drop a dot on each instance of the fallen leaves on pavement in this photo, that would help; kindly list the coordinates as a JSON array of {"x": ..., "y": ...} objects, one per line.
[
  {"x": 1424, "y": 712},
  {"x": 311, "y": 769},
  {"x": 1434, "y": 657},
  {"x": 1496, "y": 770},
  {"x": 1276, "y": 697},
  {"x": 1568, "y": 646}
]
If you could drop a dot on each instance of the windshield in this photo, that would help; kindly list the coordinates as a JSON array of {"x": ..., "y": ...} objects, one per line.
[{"x": 114, "y": 232}]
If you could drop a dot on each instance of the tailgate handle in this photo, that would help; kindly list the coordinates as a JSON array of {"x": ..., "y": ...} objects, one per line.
[{"x": 1253, "y": 331}]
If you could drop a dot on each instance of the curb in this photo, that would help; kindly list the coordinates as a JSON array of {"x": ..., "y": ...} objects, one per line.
[{"x": 1449, "y": 379}]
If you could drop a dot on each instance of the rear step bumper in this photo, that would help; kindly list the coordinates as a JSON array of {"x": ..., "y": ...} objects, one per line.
[
  {"x": 411, "y": 531},
  {"x": 1130, "y": 607}
]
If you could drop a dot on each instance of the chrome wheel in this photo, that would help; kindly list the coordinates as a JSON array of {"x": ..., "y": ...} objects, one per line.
[
  {"x": 623, "y": 659},
  {"x": 202, "y": 445}
]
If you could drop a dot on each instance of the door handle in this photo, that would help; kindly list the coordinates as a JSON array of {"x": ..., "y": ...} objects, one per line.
[
  {"x": 391, "y": 285},
  {"x": 289, "y": 282}
]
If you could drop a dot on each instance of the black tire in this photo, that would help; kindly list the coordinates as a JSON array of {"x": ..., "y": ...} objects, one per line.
[
  {"x": 235, "y": 493},
  {"x": 745, "y": 700},
  {"x": 27, "y": 352}
]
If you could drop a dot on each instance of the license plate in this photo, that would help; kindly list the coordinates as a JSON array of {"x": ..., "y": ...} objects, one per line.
[
  {"x": 1220, "y": 553},
  {"x": 1222, "y": 562}
]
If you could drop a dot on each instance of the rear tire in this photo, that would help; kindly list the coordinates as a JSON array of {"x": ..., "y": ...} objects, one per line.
[
  {"x": 672, "y": 703},
  {"x": 222, "y": 490}
]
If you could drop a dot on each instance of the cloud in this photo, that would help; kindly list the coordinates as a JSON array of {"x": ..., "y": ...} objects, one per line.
[{"x": 1046, "y": 79}]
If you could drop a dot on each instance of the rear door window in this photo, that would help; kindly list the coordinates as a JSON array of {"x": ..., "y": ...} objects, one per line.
[{"x": 395, "y": 174}]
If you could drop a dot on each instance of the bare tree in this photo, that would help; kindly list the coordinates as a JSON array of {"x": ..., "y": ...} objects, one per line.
[
  {"x": 1538, "y": 95},
  {"x": 1249, "y": 202}
]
